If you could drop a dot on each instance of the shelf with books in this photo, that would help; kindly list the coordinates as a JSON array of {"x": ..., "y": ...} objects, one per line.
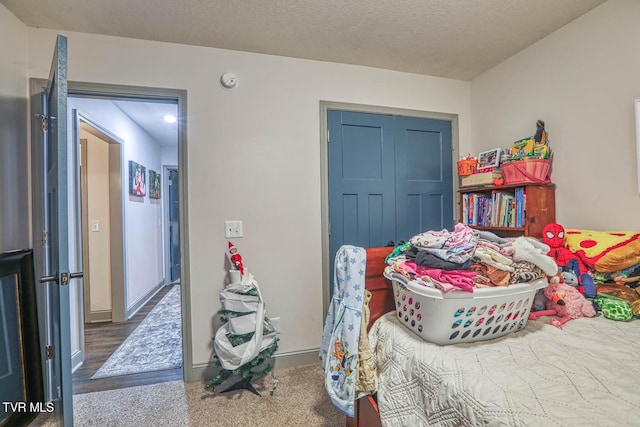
[{"x": 508, "y": 210}]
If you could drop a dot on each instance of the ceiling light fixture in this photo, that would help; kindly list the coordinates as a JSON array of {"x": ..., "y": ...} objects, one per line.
[{"x": 169, "y": 118}]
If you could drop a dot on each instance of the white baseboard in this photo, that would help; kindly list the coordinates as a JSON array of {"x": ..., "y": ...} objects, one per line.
[
  {"x": 204, "y": 372},
  {"x": 133, "y": 309},
  {"x": 98, "y": 316},
  {"x": 76, "y": 360}
]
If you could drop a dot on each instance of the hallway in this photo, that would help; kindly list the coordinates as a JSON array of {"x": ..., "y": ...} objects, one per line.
[{"x": 102, "y": 339}]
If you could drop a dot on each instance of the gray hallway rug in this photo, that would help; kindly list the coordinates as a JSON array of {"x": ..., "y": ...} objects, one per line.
[{"x": 155, "y": 345}]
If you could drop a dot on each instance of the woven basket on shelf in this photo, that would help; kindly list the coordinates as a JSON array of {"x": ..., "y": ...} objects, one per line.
[{"x": 528, "y": 171}]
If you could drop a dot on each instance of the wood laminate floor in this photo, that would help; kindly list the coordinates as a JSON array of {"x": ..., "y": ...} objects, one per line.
[{"x": 102, "y": 339}]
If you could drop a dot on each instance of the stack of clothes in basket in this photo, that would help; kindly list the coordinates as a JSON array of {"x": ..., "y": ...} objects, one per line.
[{"x": 464, "y": 259}]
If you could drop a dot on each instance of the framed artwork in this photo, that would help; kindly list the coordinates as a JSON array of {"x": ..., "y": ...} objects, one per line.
[
  {"x": 137, "y": 179},
  {"x": 489, "y": 159},
  {"x": 154, "y": 184}
]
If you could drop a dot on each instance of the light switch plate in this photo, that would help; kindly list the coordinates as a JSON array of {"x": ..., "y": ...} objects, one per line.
[{"x": 232, "y": 229}]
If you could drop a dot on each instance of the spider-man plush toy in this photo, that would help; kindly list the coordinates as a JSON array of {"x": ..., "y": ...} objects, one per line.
[{"x": 553, "y": 235}]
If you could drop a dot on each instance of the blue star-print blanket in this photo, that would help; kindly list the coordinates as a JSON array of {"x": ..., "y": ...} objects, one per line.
[{"x": 339, "y": 351}]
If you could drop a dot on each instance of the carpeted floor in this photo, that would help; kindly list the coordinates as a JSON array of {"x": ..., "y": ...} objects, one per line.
[
  {"x": 155, "y": 345},
  {"x": 299, "y": 400}
]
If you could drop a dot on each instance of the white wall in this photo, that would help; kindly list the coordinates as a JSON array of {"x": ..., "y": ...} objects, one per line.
[
  {"x": 14, "y": 153},
  {"x": 582, "y": 80},
  {"x": 169, "y": 156},
  {"x": 253, "y": 155}
]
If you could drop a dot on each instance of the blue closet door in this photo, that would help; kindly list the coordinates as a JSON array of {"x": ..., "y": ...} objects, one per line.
[
  {"x": 390, "y": 178},
  {"x": 424, "y": 176},
  {"x": 361, "y": 180}
]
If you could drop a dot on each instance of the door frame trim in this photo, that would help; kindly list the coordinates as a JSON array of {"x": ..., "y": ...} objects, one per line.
[
  {"x": 115, "y": 91},
  {"x": 325, "y": 106}
]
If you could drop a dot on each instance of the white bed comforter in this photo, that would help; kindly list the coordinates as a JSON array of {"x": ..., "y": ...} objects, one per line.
[{"x": 587, "y": 374}]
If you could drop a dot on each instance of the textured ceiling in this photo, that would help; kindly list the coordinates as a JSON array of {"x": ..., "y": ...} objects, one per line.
[{"x": 458, "y": 39}]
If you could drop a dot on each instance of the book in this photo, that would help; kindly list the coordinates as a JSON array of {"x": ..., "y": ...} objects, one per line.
[{"x": 482, "y": 178}]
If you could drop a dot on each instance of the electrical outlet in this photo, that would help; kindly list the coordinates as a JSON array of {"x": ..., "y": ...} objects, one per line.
[
  {"x": 232, "y": 229},
  {"x": 275, "y": 321}
]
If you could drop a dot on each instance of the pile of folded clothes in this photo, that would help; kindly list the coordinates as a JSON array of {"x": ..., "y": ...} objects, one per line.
[{"x": 464, "y": 259}]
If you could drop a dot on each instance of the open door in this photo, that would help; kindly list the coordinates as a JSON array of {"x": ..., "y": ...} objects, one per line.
[{"x": 52, "y": 218}]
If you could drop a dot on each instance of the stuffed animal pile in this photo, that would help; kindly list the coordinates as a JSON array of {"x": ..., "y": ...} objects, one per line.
[{"x": 573, "y": 293}]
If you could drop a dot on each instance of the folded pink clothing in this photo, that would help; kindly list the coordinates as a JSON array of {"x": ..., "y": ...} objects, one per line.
[
  {"x": 461, "y": 279},
  {"x": 444, "y": 287}
]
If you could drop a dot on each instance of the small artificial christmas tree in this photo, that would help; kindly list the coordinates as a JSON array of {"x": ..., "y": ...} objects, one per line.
[{"x": 246, "y": 340}]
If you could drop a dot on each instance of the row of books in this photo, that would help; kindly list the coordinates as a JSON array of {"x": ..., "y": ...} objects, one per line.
[{"x": 495, "y": 209}]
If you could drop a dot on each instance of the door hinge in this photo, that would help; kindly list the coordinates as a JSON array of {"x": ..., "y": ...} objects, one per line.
[
  {"x": 328, "y": 136},
  {"x": 45, "y": 238},
  {"x": 48, "y": 352},
  {"x": 44, "y": 121},
  {"x": 329, "y": 229}
]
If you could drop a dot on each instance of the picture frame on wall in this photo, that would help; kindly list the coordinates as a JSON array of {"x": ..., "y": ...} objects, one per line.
[
  {"x": 154, "y": 184},
  {"x": 137, "y": 179},
  {"x": 489, "y": 159}
]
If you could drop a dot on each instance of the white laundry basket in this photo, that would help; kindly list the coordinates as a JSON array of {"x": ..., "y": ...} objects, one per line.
[{"x": 459, "y": 316}]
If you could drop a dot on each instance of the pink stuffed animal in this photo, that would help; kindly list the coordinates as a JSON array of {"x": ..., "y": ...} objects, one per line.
[{"x": 564, "y": 301}]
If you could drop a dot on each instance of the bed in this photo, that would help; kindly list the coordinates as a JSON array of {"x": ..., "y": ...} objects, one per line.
[{"x": 586, "y": 374}]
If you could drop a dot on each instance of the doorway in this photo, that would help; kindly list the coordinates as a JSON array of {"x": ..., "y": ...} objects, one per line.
[
  {"x": 111, "y": 348},
  {"x": 101, "y": 234},
  {"x": 121, "y": 93},
  {"x": 387, "y": 174},
  {"x": 101, "y": 221}
]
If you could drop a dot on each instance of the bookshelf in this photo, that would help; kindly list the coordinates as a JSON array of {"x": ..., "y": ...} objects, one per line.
[{"x": 509, "y": 210}]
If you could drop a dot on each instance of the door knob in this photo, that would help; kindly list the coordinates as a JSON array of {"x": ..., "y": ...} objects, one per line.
[
  {"x": 52, "y": 278},
  {"x": 65, "y": 277}
]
